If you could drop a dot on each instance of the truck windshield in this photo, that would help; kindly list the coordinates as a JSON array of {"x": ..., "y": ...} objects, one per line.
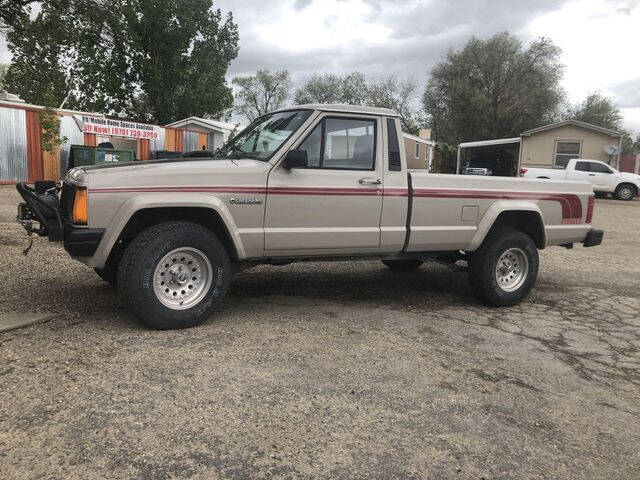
[{"x": 264, "y": 135}]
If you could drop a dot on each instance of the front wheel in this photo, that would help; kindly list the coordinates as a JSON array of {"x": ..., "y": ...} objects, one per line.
[
  {"x": 625, "y": 192},
  {"x": 174, "y": 274},
  {"x": 503, "y": 270}
]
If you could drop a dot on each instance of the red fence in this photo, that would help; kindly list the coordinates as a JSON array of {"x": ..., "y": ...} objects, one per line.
[{"x": 630, "y": 163}]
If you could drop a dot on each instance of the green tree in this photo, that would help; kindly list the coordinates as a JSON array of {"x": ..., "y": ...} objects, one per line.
[
  {"x": 399, "y": 95},
  {"x": 626, "y": 144},
  {"x": 40, "y": 51},
  {"x": 597, "y": 109},
  {"x": 326, "y": 88},
  {"x": 353, "y": 89},
  {"x": 350, "y": 89},
  {"x": 261, "y": 93},
  {"x": 13, "y": 10},
  {"x": 154, "y": 61},
  {"x": 493, "y": 88}
]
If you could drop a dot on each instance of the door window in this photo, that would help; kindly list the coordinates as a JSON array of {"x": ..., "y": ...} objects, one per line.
[
  {"x": 600, "y": 168},
  {"x": 342, "y": 144},
  {"x": 583, "y": 166}
]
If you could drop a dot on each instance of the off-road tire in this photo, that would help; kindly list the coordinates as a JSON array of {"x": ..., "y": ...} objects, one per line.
[
  {"x": 484, "y": 262},
  {"x": 141, "y": 258},
  {"x": 406, "y": 265},
  {"x": 109, "y": 274},
  {"x": 625, "y": 191}
]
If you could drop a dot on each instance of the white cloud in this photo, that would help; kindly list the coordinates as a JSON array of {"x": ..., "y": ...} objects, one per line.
[
  {"x": 330, "y": 24},
  {"x": 599, "y": 40}
]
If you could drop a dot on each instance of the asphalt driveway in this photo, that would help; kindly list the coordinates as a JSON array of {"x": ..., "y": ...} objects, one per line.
[{"x": 328, "y": 370}]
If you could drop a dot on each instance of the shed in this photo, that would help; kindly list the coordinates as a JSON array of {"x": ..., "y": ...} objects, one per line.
[{"x": 211, "y": 133}]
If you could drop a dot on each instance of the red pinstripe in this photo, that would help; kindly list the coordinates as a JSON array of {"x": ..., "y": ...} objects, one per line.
[{"x": 570, "y": 203}]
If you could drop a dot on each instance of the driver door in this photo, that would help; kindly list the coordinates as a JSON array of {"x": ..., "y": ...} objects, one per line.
[
  {"x": 602, "y": 177},
  {"x": 334, "y": 204}
]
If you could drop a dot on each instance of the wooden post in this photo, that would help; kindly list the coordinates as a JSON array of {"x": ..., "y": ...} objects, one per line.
[{"x": 34, "y": 147}]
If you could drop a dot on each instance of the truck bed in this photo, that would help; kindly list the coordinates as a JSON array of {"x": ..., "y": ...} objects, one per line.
[{"x": 456, "y": 210}]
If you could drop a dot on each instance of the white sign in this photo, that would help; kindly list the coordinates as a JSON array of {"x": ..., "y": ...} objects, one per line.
[{"x": 107, "y": 127}]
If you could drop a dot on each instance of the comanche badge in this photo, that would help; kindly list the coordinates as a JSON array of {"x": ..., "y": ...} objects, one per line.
[{"x": 246, "y": 201}]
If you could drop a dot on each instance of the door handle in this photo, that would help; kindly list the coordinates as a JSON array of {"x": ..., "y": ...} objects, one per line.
[
  {"x": 369, "y": 181},
  {"x": 592, "y": 174}
]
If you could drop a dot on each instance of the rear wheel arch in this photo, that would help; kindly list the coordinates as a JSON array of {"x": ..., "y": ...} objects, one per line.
[
  {"x": 147, "y": 217},
  {"x": 525, "y": 221},
  {"x": 522, "y": 216}
]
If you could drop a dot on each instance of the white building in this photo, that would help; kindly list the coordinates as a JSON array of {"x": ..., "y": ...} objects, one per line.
[{"x": 217, "y": 132}]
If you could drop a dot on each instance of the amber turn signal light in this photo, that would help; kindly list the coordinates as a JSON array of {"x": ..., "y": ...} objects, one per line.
[{"x": 80, "y": 206}]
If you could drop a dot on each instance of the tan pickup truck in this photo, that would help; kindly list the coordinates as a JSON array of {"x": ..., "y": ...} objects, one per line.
[{"x": 313, "y": 182}]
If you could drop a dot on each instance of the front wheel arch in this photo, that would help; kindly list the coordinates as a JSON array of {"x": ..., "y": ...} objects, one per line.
[{"x": 147, "y": 217}]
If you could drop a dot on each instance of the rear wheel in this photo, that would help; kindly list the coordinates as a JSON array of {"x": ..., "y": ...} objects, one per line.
[
  {"x": 503, "y": 270},
  {"x": 625, "y": 191},
  {"x": 403, "y": 265},
  {"x": 174, "y": 275}
]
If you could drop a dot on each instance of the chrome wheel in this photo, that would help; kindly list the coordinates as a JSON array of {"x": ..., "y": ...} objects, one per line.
[
  {"x": 182, "y": 278},
  {"x": 625, "y": 193},
  {"x": 512, "y": 269}
]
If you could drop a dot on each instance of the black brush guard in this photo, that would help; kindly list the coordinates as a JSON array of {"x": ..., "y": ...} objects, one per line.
[{"x": 43, "y": 206}]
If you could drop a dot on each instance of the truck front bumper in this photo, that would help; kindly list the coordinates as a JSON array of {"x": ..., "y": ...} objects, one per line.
[
  {"x": 82, "y": 242},
  {"x": 78, "y": 241},
  {"x": 594, "y": 238}
]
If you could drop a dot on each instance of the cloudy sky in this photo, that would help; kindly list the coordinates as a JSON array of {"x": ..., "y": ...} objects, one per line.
[{"x": 600, "y": 39}]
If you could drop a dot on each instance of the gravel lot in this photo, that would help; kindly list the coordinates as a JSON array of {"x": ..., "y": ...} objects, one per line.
[{"x": 328, "y": 370}]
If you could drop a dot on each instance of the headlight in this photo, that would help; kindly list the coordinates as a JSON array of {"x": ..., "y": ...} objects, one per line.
[{"x": 75, "y": 176}]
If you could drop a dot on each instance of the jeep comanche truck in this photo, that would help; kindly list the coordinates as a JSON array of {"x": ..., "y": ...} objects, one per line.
[{"x": 313, "y": 182}]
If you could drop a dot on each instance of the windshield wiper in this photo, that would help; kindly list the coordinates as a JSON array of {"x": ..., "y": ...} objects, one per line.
[
  {"x": 229, "y": 152},
  {"x": 236, "y": 153}
]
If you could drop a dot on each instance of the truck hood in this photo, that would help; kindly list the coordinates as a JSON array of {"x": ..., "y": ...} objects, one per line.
[
  {"x": 176, "y": 172},
  {"x": 632, "y": 177},
  {"x": 145, "y": 163}
]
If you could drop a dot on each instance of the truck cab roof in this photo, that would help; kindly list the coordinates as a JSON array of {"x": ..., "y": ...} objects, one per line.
[{"x": 342, "y": 108}]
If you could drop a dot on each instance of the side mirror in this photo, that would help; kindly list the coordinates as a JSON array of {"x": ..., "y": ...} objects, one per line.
[{"x": 295, "y": 159}]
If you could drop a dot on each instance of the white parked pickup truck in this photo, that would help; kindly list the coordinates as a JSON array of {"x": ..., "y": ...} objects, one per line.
[
  {"x": 605, "y": 179},
  {"x": 313, "y": 182}
]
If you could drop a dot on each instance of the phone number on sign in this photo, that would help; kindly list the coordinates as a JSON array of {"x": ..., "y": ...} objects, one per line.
[{"x": 127, "y": 132}]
